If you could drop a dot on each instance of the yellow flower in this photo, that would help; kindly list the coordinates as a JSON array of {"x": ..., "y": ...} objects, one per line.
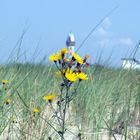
[
  {"x": 82, "y": 76},
  {"x": 87, "y": 57},
  {"x": 8, "y": 101},
  {"x": 4, "y": 82},
  {"x": 64, "y": 51},
  {"x": 55, "y": 57},
  {"x": 71, "y": 76},
  {"x": 77, "y": 58},
  {"x": 49, "y": 97},
  {"x": 59, "y": 73},
  {"x": 35, "y": 110},
  {"x": 13, "y": 119}
]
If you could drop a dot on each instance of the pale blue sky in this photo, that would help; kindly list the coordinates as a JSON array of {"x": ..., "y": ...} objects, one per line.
[{"x": 50, "y": 22}]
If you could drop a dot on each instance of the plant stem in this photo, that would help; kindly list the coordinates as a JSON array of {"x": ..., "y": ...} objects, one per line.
[{"x": 64, "y": 113}]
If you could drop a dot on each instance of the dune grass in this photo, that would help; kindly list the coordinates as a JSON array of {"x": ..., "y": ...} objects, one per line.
[{"x": 110, "y": 97}]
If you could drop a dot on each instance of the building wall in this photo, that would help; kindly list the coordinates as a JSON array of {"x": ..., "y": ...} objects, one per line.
[{"x": 130, "y": 64}]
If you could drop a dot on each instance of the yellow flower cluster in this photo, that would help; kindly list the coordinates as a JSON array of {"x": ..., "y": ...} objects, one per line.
[
  {"x": 73, "y": 76},
  {"x": 69, "y": 68},
  {"x": 58, "y": 56}
]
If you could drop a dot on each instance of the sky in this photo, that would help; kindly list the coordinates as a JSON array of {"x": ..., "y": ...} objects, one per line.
[{"x": 47, "y": 24}]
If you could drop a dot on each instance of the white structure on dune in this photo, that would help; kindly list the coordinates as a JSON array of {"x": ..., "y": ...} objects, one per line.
[
  {"x": 130, "y": 63},
  {"x": 70, "y": 43}
]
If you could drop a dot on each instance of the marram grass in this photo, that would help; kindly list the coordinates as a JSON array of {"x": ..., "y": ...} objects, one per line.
[{"x": 106, "y": 99}]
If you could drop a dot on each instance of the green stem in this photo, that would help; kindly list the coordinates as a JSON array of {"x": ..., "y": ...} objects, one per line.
[{"x": 64, "y": 114}]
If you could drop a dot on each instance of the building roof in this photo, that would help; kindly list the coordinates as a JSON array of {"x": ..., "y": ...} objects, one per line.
[
  {"x": 131, "y": 59},
  {"x": 70, "y": 40}
]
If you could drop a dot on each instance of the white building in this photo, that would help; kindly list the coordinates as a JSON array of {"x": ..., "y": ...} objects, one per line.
[
  {"x": 70, "y": 43},
  {"x": 130, "y": 63}
]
